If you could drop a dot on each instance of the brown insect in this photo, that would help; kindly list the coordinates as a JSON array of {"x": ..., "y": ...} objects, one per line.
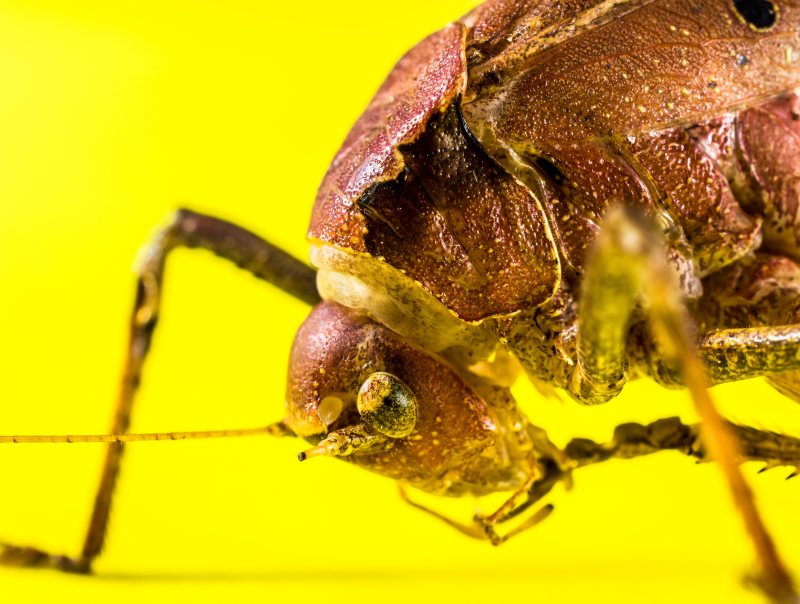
[{"x": 558, "y": 188}]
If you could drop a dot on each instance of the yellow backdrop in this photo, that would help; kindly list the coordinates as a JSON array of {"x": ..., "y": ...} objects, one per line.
[{"x": 111, "y": 115}]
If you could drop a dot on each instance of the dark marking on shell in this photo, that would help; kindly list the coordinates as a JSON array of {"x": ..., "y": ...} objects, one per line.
[
  {"x": 761, "y": 14},
  {"x": 549, "y": 169}
]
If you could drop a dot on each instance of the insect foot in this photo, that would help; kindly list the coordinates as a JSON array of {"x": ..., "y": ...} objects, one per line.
[{"x": 29, "y": 557}]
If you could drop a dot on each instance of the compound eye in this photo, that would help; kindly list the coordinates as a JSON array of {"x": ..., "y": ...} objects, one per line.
[{"x": 387, "y": 405}]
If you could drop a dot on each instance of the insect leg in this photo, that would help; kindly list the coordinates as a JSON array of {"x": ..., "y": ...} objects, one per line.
[
  {"x": 187, "y": 229},
  {"x": 737, "y": 354},
  {"x": 231, "y": 242},
  {"x": 750, "y": 319},
  {"x": 629, "y": 261},
  {"x": 473, "y": 530},
  {"x": 632, "y": 440},
  {"x": 483, "y": 528}
]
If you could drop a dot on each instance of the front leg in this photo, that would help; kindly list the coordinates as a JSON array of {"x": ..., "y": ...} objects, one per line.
[{"x": 484, "y": 528}]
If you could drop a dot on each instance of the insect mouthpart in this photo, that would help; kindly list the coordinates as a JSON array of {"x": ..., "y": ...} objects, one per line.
[{"x": 344, "y": 442}]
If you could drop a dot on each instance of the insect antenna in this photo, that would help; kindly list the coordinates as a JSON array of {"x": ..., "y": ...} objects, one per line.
[{"x": 127, "y": 438}]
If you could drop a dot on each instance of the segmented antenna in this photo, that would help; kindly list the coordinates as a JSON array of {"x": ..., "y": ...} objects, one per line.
[{"x": 127, "y": 438}]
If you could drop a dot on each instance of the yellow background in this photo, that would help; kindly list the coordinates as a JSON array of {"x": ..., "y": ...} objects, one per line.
[{"x": 111, "y": 115}]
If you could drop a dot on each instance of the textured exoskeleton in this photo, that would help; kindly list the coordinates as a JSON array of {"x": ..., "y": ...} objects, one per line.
[
  {"x": 548, "y": 187},
  {"x": 461, "y": 208}
]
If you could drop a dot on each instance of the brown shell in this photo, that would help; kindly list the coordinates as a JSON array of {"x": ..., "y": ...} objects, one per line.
[
  {"x": 769, "y": 160},
  {"x": 423, "y": 82},
  {"x": 411, "y": 187},
  {"x": 576, "y": 106}
]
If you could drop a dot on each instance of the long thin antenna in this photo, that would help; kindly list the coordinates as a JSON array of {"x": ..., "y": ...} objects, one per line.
[{"x": 128, "y": 438}]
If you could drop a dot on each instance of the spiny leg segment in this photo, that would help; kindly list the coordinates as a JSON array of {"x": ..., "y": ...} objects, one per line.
[{"x": 186, "y": 229}]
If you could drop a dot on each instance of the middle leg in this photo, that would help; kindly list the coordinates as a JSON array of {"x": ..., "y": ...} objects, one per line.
[{"x": 629, "y": 261}]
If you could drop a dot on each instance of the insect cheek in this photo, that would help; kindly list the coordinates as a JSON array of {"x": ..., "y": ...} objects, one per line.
[{"x": 325, "y": 372}]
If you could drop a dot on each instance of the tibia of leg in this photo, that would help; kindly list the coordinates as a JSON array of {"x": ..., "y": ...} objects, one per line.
[
  {"x": 495, "y": 538},
  {"x": 735, "y": 354},
  {"x": 473, "y": 530},
  {"x": 516, "y": 499},
  {"x": 750, "y": 313},
  {"x": 730, "y": 355}
]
